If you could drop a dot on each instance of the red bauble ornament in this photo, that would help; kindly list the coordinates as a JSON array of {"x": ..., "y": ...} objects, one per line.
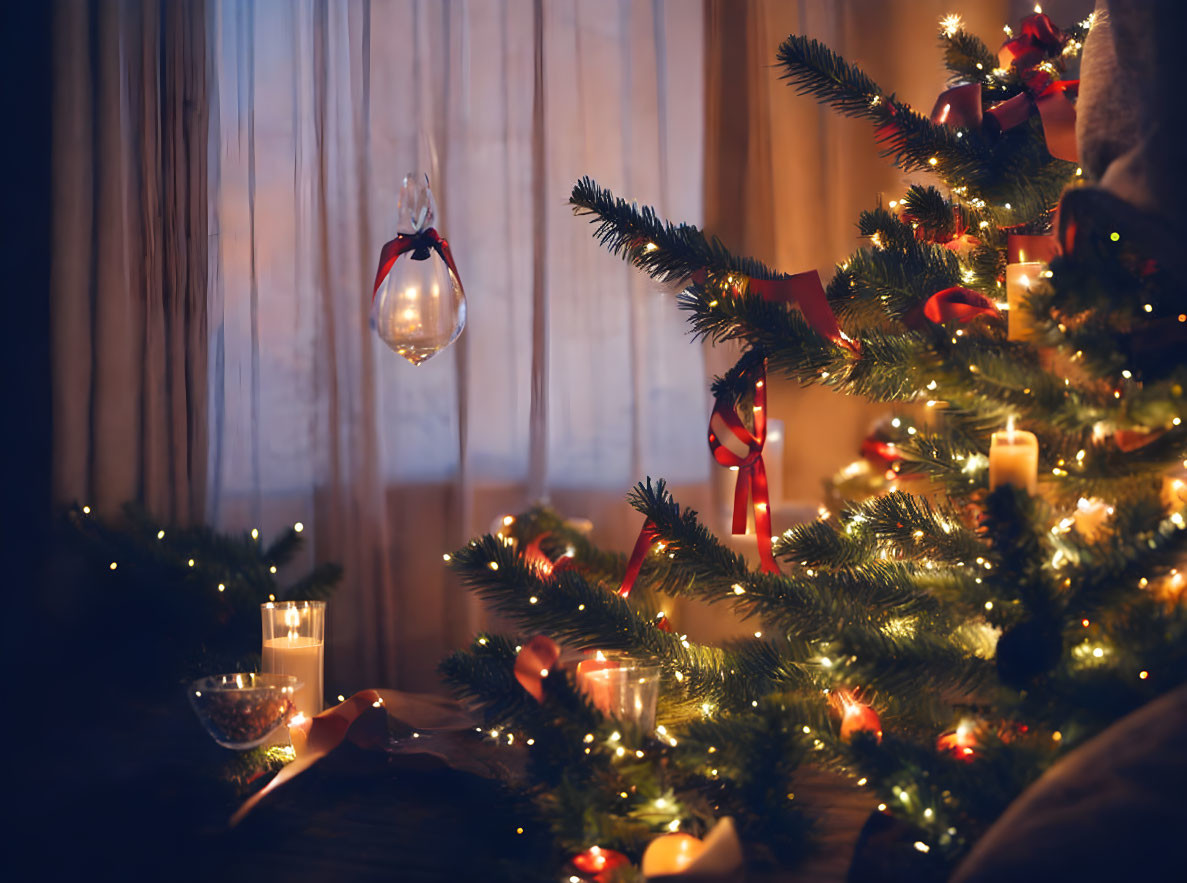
[
  {"x": 857, "y": 718},
  {"x": 598, "y": 863}
]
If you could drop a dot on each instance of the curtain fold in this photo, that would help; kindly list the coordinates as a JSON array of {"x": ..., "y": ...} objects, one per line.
[
  {"x": 128, "y": 283},
  {"x": 574, "y": 376}
]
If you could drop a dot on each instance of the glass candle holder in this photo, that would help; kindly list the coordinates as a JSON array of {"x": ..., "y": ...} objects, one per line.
[
  {"x": 243, "y": 709},
  {"x": 621, "y": 687},
  {"x": 294, "y": 644}
]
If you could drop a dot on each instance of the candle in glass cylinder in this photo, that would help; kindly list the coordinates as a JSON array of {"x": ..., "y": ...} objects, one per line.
[
  {"x": 1018, "y": 280},
  {"x": 1014, "y": 459},
  {"x": 621, "y": 687},
  {"x": 294, "y": 644}
]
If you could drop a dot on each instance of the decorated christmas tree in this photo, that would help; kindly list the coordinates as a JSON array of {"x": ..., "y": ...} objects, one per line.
[{"x": 1010, "y": 594}]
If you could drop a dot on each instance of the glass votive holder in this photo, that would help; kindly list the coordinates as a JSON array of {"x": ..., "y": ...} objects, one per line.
[
  {"x": 621, "y": 687},
  {"x": 243, "y": 709},
  {"x": 294, "y": 644}
]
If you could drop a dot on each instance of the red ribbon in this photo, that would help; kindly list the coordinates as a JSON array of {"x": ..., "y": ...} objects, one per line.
[
  {"x": 533, "y": 663},
  {"x": 752, "y": 472},
  {"x": 959, "y": 106},
  {"x": 1039, "y": 38},
  {"x": 882, "y": 454},
  {"x": 952, "y": 304},
  {"x": 806, "y": 291},
  {"x": 647, "y": 536},
  {"x": 1054, "y": 107},
  {"x": 419, "y": 244}
]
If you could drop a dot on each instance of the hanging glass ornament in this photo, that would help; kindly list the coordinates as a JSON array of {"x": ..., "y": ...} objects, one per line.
[{"x": 418, "y": 306}]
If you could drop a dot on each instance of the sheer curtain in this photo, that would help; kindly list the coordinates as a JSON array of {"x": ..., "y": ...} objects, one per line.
[
  {"x": 128, "y": 285},
  {"x": 574, "y": 377}
]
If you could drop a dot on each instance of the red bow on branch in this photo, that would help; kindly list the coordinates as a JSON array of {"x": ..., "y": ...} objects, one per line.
[
  {"x": 419, "y": 244},
  {"x": 752, "y": 472},
  {"x": 1045, "y": 93},
  {"x": 802, "y": 289},
  {"x": 951, "y": 304},
  {"x": 1039, "y": 38}
]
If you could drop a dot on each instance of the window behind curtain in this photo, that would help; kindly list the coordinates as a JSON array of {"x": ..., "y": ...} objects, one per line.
[{"x": 321, "y": 110}]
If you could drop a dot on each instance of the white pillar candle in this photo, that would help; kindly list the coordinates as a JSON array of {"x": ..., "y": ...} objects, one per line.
[
  {"x": 294, "y": 644},
  {"x": 303, "y": 657},
  {"x": 1020, "y": 325},
  {"x": 1014, "y": 459}
]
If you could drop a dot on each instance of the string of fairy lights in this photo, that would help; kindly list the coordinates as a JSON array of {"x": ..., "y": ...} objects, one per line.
[{"x": 221, "y": 586}]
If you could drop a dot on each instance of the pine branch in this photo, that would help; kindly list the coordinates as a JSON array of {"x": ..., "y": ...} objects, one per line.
[
  {"x": 967, "y": 57},
  {"x": 659, "y": 248}
]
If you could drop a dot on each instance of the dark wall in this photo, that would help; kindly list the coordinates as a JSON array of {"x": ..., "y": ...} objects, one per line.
[{"x": 25, "y": 26}]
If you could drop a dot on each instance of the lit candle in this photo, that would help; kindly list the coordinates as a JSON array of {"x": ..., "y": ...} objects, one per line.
[
  {"x": 299, "y": 726},
  {"x": 294, "y": 644},
  {"x": 1014, "y": 459},
  {"x": 1090, "y": 516},
  {"x": 621, "y": 687},
  {"x": 1018, "y": 280}
]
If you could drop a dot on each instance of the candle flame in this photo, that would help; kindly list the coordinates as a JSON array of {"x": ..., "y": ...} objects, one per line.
[
  {"x": 1010, "y": 428},
  {"x": 297, "y": 719},
  {"x": 600, "y": 656}
]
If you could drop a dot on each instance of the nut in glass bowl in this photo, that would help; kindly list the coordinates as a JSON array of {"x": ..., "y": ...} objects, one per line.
[{"x": 241, "y": 710}]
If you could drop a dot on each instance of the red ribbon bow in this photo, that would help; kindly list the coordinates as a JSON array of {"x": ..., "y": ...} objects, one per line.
[
  {"x": 752, "y": 472},
  {"x": 1039, "y": 39},
  {"x": 952, "y": 304},
  {"x": 419, "y": 244},
  {"x": 961, "y": 106},
  {"x": 1049, "y": 97},
  {"x": 805, "y": 291}
]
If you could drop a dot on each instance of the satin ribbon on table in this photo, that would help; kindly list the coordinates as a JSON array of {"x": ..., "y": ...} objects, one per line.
[
  {"x": 419, "y": 244},
  {"x": 361, "y": 720}
]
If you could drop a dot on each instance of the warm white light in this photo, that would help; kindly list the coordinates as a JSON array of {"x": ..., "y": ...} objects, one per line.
[{"x": 298, "y": 527}]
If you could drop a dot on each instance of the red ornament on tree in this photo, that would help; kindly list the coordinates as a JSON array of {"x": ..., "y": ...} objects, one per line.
[
  {"x": 598, "y": 863},
  {"x": 857, "y": 717}
]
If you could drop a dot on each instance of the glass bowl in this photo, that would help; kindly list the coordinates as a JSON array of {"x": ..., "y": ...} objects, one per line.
[{"x": 241, "y": 710}]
